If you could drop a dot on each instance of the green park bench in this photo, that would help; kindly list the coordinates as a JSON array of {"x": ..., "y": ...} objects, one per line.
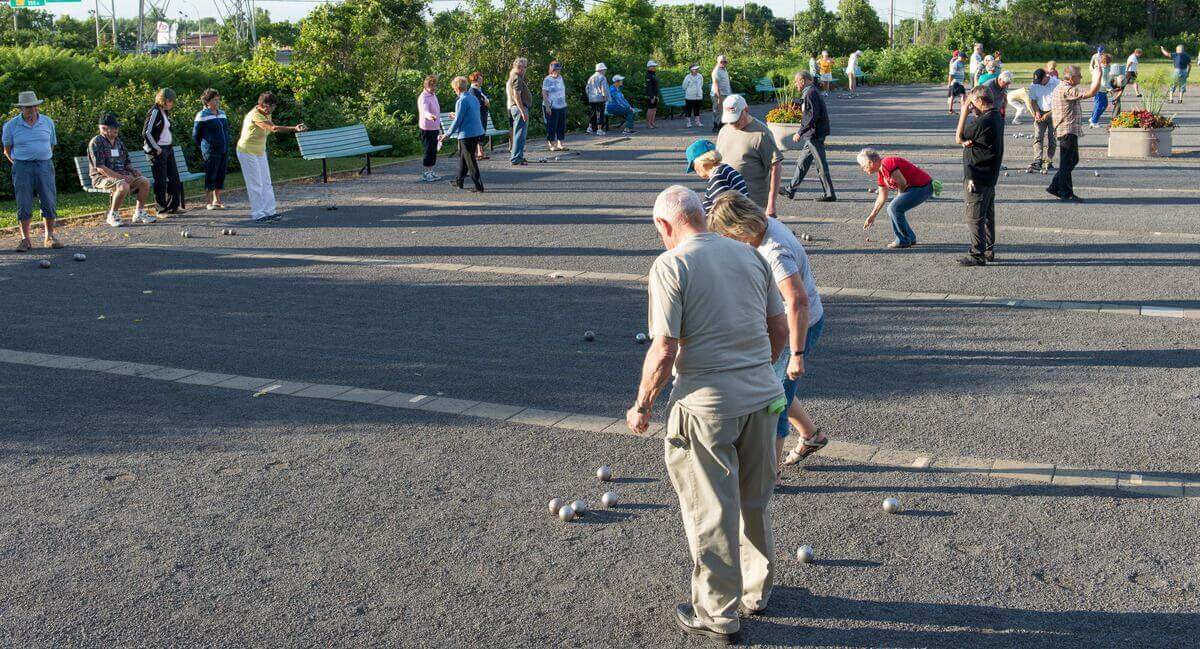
[
  {"x": 672, "y": 98},
  {"x": 490, "y": 132},
  {"x": 343, "y": 142},
  {"x": 181, "y": 165},
  {"x": 765, "y": 87},
  {"x": 138, "y": 159}
]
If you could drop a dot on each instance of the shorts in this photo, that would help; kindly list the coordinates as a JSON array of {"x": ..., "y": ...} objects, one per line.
[
  {"x": 827, "y": 77},
  {"x": 107, "y": 184},
  {"x": 956, "y": 89},
  {"x": 651, "y": 102},
  {"x": 1179, "y": 79},
  {"x": 1130, "y": 77}
]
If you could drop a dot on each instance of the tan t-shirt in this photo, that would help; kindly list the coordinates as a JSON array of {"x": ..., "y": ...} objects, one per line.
[
  {"x": 752, "y": 151},
  {"x": 715, "y": 295}
]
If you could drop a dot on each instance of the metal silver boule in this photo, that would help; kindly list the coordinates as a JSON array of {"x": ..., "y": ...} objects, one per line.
[
  {"x": 589, "y": 336},
  {"x": 556, "y": 504},
  {"x": 805, "y": 554},
  {"x": 79, "y": 256},
  {"x": 891, "y": 505},
  {"x": 579, "y": 507},
  {"x": 566, "y": 512},
  {"x": 45, "y": 263},
  {"x": 641, "y": 338},
  {"x": 604, "y": 473},
  {"x": 609, "y": 498}
]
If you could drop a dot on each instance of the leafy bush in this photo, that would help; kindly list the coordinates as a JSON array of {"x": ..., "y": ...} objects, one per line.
[{"x": 906, "y": 65}]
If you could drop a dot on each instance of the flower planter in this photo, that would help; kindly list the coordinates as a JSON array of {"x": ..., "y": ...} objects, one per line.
[
  {"x": 1139, "y": 142},
  {"x": 783, "y": 133}
]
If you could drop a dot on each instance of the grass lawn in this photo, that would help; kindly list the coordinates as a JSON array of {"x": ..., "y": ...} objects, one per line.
[{"x": 75, "y": 203}]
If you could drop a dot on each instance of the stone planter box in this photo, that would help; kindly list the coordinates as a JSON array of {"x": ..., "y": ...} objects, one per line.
[
  {"x": 1139, "y": 143},
  {"x": 783, "y": 136}
]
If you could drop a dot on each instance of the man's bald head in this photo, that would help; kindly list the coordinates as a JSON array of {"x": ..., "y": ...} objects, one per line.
[{"x": 679, "y": 205}]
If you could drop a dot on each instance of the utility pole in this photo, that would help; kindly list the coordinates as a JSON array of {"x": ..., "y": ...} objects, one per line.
[
  {"x": 141, "y": 22},
  {"x": 722, "y": 12},
  {"x": 891, "y": 23},
  {"x": 917, "y": 24},
  {"x": 253, "y": 29}
]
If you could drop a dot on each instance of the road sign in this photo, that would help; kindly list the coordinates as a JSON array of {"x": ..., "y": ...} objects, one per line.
[{"x": 21, "y": 4}]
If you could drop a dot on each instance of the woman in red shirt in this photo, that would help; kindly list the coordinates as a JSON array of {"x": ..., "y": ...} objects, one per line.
[{"x": 914, "y": 187}]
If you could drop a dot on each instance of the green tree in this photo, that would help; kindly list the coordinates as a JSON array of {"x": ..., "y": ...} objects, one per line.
[
  {"x": 816, "y": 30},
  {"x": 687, "y": 34},
  {"x": 341, "y": 46},
  {"x": 859, "y": 27},
  {"x": 969, "y": 27}
]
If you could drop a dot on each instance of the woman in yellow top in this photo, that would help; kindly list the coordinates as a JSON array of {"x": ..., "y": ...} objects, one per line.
[
  {"x": 252, "y": 154},
  {"x": 825, "y": 65}
]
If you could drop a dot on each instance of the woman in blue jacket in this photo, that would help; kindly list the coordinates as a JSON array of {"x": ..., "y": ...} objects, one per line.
[
  {"x": 468, "y": 129},
  {"x": 210, "y": 132}
]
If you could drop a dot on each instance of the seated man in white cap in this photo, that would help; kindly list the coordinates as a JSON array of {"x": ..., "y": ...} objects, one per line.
[
  {"x": 618, "y": 105},
  {"x": 749, "y": 147}
]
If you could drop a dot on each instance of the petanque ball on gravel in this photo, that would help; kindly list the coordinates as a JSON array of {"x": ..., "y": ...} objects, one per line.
[
  {"x": 604, "y": 474},
  {"x": 641, "y": 339},
  {"x": 579, "y": 507},
  {"x": 556, "y": 504},
  {"x": 232, "y": 232},
  {"x": 1045, "y": 172},
  {"x": 609, "y": 499},
  {"x": 805, "y": 554},
  {"x": 1097, "y": 173},
  {"x": 891, "y": 505},
  {"x": 185, "y": 234},
  {"x": 566, "y": 512},
  {"x": 79, "y": 256},
  {"x": 589, "y": 336},
  {"x": 45, "y": 263}
]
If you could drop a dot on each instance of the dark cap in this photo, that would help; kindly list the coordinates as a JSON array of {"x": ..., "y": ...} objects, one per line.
[
  {"x": 110, "y": 120},
  {"x": 1038, "y": 75}
]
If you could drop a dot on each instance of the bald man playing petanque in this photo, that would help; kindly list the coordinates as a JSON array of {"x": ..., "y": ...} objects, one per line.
[{"x": 718, "y": 320}]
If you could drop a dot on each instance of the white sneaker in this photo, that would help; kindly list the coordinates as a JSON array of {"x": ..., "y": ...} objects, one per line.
[
  {"x": 141, "y": 216},
  {"x": 113, "y": 220},
  {"x": 1016, "y": 122},
  {"x": 601, "y": 132},
  {"x": 589, "y": 130},
  {"x": 210, "y": 207}
]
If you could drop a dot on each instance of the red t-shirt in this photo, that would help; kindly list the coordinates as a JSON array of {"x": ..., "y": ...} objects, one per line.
[{"x": 911, "y": 172}]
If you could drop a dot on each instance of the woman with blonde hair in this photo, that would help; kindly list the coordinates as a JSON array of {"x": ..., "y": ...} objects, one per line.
[
  {"x": 739, "y": 218},
  {"x": 705, "y": 160},
  {"x": 467, "y": 128},
  {"x": 158, "y": 143},
  {"x": 430, "y": 124}
]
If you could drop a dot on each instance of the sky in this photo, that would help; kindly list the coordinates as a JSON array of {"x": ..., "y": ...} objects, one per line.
[{"x": 295, "y": 9}]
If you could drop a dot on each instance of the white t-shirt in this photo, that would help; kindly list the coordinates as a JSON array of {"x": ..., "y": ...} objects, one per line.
[
  {"x": 556, "y": 91},
  {"x": 852, "y": 64},
  {"x": 956, "y": 70},
  {"x": 1041, "y": 94},
  {"x": 976, "y": 62},
  {"x": 1131, "y": 64},
  {"x": 786, "y": 257},
  {"x": 720, "y": 82},
  {"x": 164, "y": 138}
]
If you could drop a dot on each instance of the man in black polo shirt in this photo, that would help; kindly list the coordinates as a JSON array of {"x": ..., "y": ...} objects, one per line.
[
  {"x": 982, "y": 139},
  {"x": 814, "y": 126}
]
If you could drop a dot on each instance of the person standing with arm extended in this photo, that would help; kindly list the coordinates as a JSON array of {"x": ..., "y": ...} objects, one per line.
[
  {"x": 157, "y": 142},
  {"x": 429, "y": 121},
  {"x": 210, "y": 132},
  {"x": 29, "y": 140},
  {"x": 651, "y": 94},
  {"x": 1131, "y": 70},
  {"x": 717, "y": 323},
  {"x": 693, "y": 95},
  {"x": 982, "y": 140},
  {"x": 252, "y": 155},
  {"x": 597, "y": 94},
  {"x": 749, "y": 147},
  {"x": 467, "y": 129},
  {"x": 1181, "y": 63},
  {"x": 814, "y": 127},
  {"x": 554, "y": 103},
  {"x": 520, "y": 101},
  {"x": 1067, "y": 126},
  {"x": 720, "y": 90}
]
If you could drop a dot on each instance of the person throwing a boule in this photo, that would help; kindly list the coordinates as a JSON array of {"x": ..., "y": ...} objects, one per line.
[{"x": 718, "y": 323}]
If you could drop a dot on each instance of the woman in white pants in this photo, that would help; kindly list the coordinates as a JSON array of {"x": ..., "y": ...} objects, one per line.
[{"x": 252, "y": 154}]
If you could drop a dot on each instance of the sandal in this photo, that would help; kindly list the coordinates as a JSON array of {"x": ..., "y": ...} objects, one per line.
[{"x": 807, "y": 448}]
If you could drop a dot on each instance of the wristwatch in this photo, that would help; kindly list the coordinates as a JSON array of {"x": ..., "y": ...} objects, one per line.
[{"x": 799, "y": 353}]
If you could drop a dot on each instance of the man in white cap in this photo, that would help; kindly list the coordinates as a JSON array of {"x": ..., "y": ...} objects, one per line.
[
  {"x": 597, "y": 93},
  {"x": 717, "y": 322},
  {"x": 693, "y": 94},
  {"x": 976, "y": 64},
  {"x": 651, "y": 93},
  {"x": 29, "y": 140},
  {"x": 720, "y": 90},
  {"x": 749, "y": 147}
]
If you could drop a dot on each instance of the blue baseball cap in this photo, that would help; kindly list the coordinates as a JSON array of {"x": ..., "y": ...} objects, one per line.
[{"x": 697, "y": 149}]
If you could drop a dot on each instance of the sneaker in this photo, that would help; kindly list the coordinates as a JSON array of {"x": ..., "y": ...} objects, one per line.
[
  {"x": 210, "y": 206},
  {"x": 896, "y": 245},
  {"x": 23, "y": 245},
  {"x": 685, "y": 619},
  {"x": 628, "y": 131},
  {"x": 589, "y": 130},
  {"x": 826, "y": 199},
  {"x": 972, "y": 260},
  {"x": 52, "y": 242},
  {"x": 142, "y": 216},
  {"x": 1016, "y": 122},
  {"x": 1050, "y": 166},
  {"x": 113, "y": 220},
  {"x": 602, "y": 132}
]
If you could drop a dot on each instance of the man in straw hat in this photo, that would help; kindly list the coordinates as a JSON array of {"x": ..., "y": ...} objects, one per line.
[
  {"x": 29, "y": 140},
  {"x": 111, "y": 171}
]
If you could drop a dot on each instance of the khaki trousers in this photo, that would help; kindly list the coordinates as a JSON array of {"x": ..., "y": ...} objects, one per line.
[{"x": 724, "y": 472}]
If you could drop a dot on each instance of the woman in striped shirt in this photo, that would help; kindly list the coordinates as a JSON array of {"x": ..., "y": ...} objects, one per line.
[{"x": 705, "y": 160}]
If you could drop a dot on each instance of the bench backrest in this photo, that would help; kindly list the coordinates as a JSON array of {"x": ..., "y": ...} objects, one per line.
[
  {"x": 446, "y": 121},
  {"x": 764, "y": 84},
  {"x": 333, "y": 140},
  {"x": 81, "y": 167},
  {"x": 137, "y": 159},
  {"x": 672, "y": 95},
  {"x": 180, "y": 160}
]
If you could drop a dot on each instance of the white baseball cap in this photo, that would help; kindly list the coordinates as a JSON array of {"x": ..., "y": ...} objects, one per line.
[
  {"x": 600, "y": 67},
  {"x": 617, "y": 77},
  {"x": 732, "y": 109},
  {"x": 651, "y": 64}
]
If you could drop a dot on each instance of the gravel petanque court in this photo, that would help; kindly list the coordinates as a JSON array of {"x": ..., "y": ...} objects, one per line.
[{"x": 343, "y": 429}]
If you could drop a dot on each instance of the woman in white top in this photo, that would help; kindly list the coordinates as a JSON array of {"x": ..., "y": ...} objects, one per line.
[
  {"x": 158, "y": 143},
  {"x": 852, "y": 71},
  {"x": 737, "y": 217},
  {"x": 554, "y": 103},
  {"x": 597, "y": 93},
  {"x": 693, "y": 94}
]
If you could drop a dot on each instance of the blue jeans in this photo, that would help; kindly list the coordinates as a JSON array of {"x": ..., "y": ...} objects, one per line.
[
  {"x": 520, "y": 128},
  {"x": 1099, "y": 106},
  {"x": 783, "y": 429},
  {"x": 623, "y": 112},
  {"x": 556, "y": 124},
  {"x": 898, "y": 209},
  {"x": 34, "y": 178}
]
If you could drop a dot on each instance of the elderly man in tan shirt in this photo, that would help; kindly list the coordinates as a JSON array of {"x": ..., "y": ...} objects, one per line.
[
  {"x": 1064, "y": 107},
  {"x": 718, "y": 322}
]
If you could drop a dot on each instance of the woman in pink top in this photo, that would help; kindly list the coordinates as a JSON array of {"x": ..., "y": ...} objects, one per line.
[
  {"x": 895, "y": 173},
  {"x": 429, "y": 118}
]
